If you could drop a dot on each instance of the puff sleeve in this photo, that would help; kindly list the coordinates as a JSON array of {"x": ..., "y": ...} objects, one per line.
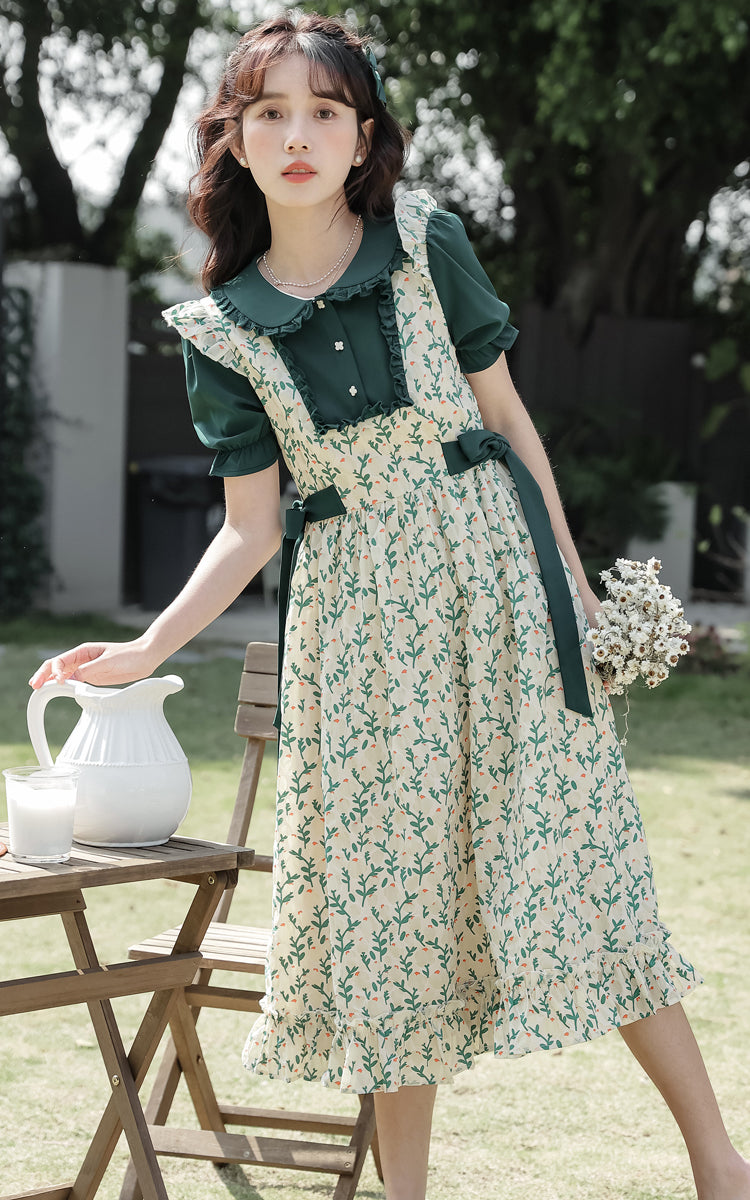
[
  {"x": 476, "y": 317},
  {"x": 228, "y": 416}
]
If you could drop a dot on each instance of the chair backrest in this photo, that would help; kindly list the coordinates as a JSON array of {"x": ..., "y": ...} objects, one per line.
[{"x": 256, "y": 709}]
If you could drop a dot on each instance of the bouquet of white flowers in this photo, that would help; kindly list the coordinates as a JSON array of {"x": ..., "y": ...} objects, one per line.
[{"x": 641, "y": 629}]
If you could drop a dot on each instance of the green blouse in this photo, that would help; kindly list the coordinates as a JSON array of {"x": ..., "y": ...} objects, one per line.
[{"x": 342, "y": 349}]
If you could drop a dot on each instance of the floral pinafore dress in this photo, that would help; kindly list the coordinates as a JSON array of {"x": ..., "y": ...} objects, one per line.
[{"x": 459, "y": 863}]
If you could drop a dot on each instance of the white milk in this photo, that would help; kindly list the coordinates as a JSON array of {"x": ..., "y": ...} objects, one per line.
[{"x": 40, "y": 820}]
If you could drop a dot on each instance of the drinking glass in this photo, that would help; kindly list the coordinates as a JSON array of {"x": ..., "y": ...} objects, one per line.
[{"x": 41, "y": 804}]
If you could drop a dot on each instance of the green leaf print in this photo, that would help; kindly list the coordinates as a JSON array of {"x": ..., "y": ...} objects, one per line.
[
  {"x": 570, "y": 1012},
  {"x": 564, "y": 785},
  {"x": 555, "y": 957},
  {"x": 348, "y": 744},
  {"x": 401, "y": 916},
  {"x": 414, "y": 646},
  {"x": 319, "y": 921},
  {"x": 546, "y": 1040},
  {"x": 423, "y": 863},
  {"x": 420, "y": 823},
  {"x": 542, "y": 825},
  {"x": 530, "y": 907},
  {"x": 537, "y": 733},
  {"x": 610, "y": 897},
  {"x": 345, "y": 984}
]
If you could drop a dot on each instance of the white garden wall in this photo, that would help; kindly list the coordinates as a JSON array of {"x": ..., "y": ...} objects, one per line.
[
  {"x": 80, "y": 359},
  {"x": 675, "y": 547}
]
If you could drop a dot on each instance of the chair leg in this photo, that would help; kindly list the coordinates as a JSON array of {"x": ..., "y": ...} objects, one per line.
[
  {"x": 361, "y": 1139},
  {"x": 156, "y": 1110},
  {"x": 190, "y": 1056}
]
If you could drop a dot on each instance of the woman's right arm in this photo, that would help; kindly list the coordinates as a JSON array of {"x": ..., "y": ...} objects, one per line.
[{"x": 249, "y": 537}]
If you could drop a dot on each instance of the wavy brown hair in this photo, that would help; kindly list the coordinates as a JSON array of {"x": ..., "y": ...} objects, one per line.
[{"x": 224, "y": 200}]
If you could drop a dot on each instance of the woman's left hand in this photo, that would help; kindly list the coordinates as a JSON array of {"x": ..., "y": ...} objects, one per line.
[{"x": 591, "y": 605}]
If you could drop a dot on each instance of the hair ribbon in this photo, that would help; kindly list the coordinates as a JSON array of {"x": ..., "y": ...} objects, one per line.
[{"x": 372, "y": 62}]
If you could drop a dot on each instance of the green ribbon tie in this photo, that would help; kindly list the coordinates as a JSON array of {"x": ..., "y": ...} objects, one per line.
[
  {"x": 318, "y": 506},
  {"x": 479, "y": 445}
]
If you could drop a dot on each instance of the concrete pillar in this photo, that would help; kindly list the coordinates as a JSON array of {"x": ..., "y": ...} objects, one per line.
[
  {"x": 80, "y": 360},
  {"x": 675, "y": 546}
]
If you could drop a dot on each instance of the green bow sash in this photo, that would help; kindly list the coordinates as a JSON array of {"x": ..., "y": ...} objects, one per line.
[
  {"x": 318, "y": 506},
  {"x": 472, "y": 447},
  {"x": 478, "y": 446}
]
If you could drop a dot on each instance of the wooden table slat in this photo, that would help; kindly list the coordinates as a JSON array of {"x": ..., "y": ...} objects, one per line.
[
  {"x": 88, "y": 866},
  {"x": 20, "y": 907},
  {"x": 98, "y": 983}
]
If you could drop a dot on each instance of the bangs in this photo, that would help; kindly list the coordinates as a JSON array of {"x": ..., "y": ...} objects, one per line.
[
  {"x": 329, "y": 84},
  {"x": 332, "y": 73}
]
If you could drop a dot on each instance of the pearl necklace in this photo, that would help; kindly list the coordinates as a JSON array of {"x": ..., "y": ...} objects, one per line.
[{"x": 295, "y": 283}]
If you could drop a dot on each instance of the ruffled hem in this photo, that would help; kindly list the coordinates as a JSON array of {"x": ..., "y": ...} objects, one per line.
[
  {"x": 245, "y": 460},
  {"x": 548, "y": 1010},
  {"x": 479, "y": 360}
]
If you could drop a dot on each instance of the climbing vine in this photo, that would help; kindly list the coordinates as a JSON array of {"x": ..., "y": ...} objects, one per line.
[{"x": 23, "y": 556}]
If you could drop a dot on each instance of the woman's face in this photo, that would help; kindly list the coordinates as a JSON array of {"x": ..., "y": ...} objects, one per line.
[{"x": 299, "y": 147}]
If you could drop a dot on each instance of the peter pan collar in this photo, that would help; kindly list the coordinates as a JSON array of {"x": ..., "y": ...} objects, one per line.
[{"x": 252, "y": 302}]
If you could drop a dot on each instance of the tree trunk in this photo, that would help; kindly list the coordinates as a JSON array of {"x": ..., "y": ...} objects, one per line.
[
  {"x": 109, "y": 239},
  {"x": 54, "y": 220}
]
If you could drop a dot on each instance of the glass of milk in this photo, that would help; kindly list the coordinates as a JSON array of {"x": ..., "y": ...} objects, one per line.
[{"x": 41, "y": 803}]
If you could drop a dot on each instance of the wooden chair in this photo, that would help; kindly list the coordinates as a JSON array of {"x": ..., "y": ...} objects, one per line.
[{"x": 240, "y": 948}]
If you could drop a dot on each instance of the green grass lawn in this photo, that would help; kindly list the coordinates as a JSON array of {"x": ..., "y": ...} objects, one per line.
[{"x": 583, "y": 1124}]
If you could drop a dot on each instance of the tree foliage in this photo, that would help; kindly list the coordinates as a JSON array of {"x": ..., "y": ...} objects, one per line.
[
  {"x": 125, "y": 61},
  {"x": 616, "y": 123},
  {"x": 23, "y": 558}
]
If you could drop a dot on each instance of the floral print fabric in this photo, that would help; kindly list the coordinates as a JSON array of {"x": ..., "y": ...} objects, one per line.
[{"x": 460, "y": 864}]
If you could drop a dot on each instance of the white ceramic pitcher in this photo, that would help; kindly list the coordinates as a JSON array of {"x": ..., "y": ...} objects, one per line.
[{"x": 135, "y": 785}]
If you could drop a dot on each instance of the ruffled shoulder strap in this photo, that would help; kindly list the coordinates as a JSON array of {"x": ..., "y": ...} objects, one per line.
[
  {"x": 202, "y": 323},
  {"x": 412, "y": 213}
]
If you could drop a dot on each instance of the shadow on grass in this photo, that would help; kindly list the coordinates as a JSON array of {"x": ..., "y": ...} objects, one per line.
[{"x": 236, "y": 1182}]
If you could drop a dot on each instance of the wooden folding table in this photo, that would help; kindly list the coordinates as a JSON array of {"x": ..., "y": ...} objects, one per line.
[{"x": 35, "y": 891}]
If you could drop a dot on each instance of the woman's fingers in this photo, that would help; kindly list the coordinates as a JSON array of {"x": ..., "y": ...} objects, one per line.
[
  {"x": 100, "y": 663},
  {"x": 64, "y": 666}
]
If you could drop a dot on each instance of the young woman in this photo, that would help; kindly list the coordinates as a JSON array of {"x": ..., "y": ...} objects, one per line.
[{"x": 460, "y": 864}]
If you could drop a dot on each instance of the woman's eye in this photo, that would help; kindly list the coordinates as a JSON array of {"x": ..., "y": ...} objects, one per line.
[
  {"x": 271, "y": 114},
  {"x": 326, "y": 113}
]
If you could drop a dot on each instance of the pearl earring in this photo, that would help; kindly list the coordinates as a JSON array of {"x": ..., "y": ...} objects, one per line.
[
  {"x": 243, "y": 162},
  {"x": 357, "y": 159}
]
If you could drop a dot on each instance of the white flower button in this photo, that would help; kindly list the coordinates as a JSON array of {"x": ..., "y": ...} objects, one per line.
[
  {"x": 320, "y": 303},
  {"x": 338, "y": 345},
  {"x": 352, "y": 390}
]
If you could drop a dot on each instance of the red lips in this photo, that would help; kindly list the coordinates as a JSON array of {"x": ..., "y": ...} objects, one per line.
[{"x": 298, "y": 168}]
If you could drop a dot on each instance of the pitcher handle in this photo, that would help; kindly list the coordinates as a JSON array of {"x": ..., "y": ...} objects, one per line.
[{"x": 35, "y": 717}]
